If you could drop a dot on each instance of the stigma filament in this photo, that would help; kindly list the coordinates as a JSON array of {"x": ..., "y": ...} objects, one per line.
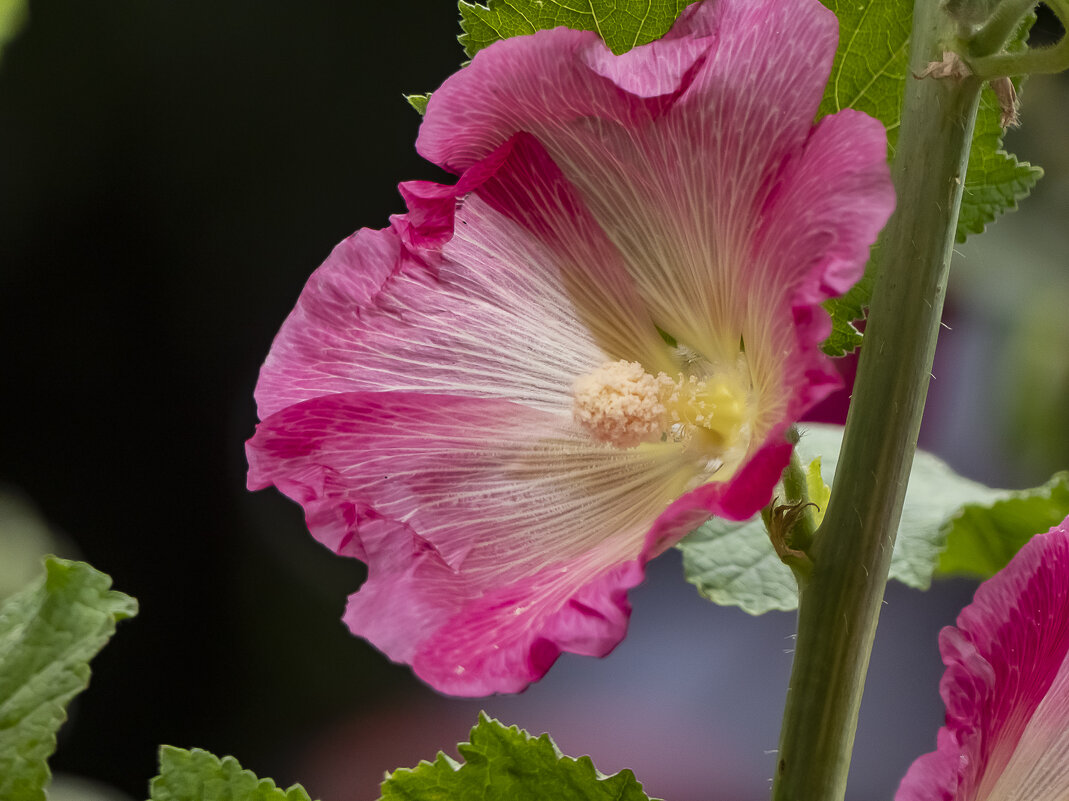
[{"x": 623, "y": 405}]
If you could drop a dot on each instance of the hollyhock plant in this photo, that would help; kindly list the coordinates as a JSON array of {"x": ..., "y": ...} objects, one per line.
[
  {"x": 1006, "y": 687},
  {"x": 538, "y": 379}
]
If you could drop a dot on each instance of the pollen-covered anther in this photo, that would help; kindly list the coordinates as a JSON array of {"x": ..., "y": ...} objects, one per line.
[{"x": 623, "y": 405}]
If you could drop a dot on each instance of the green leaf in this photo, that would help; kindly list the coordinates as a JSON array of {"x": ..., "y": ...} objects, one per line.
[
  {"x": 200, "y": 776},
  {"x": 419, "y": 102},
  {"x": 872, "y": 60},
  {"x": 48, "y": 633},
  {"x": 12, "y": 18},
  {"x": 734, "y": 564},
  {"x": 508, "y": 764},
  {"x": 981, "y": 540},
  {"x": 623, "y": 24},
  {"x": 995, "y": 179},
  {"x": 868, "y": 73},
  {"x": 845, "y": 310}
]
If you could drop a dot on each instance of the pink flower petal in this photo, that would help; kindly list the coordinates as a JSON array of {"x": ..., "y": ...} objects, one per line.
[
  {"x": 697, "y": 156},
  {"x": 465, "y": 319},
  {"x": 496, "y": 535},
  {"x": 832, "y": 199},
  {"x": 418, "y": 400},
  {"x": 1006, "y": 687}
]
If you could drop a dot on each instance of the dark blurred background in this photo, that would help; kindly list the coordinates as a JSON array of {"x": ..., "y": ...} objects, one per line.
[{"x": 171, "y": 173}]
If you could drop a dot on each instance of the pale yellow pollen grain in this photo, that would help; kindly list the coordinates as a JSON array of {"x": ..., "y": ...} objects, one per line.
[{"x": 622, "y": 405}]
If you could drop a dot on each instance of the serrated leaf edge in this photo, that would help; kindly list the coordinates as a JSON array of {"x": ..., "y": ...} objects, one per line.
[{"x": 175, "y": 759}]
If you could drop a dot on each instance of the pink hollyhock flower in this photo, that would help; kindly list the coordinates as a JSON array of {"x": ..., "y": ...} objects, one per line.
[
  {"x": 538, "y": 379},
  {"x": 1006, "y": 687}
]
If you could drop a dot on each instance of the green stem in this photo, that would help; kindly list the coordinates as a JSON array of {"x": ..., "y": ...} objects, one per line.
[
  {"x": 988, "y": 63},
  {"x": 852, "y": 551},
  {"x": 994, "y": 34}
]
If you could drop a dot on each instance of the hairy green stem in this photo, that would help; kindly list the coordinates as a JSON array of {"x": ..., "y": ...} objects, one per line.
[
  {"x": 986, "y": 62},
  {"x": 994, "y": 34},
  {"x": 851, "y": 553}
]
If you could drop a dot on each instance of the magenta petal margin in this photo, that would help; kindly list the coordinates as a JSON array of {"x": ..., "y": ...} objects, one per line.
[
  {"x": 1006, "y": 687},
  {"x": 418, "y": 401}
]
